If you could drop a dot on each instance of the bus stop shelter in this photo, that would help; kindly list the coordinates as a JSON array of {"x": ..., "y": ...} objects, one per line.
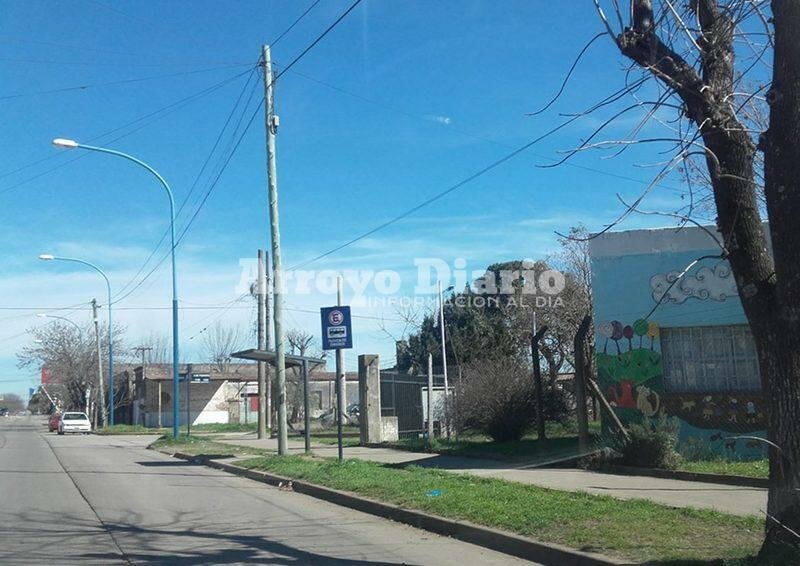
[{"x": 305, "y": 363}]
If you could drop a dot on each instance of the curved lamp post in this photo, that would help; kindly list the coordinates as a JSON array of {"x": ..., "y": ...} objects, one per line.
[
  {"x": 50, "y": 257},
  {"x": 65, "y": 319},
  {"x": 72, "y": 144}
]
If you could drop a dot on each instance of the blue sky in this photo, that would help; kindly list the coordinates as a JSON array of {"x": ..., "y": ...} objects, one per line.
[{"x": 400, "y": 101}]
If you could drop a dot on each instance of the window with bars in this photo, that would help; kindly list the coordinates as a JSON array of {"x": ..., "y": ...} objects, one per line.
[{"x": 709, "y": 358}]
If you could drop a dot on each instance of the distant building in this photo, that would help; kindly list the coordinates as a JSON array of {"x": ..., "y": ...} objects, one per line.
[
  {"x": 694, "y": 357},
  {"x": 229, "y": 396}
]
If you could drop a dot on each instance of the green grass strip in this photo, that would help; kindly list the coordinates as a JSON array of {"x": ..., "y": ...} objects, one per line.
[{"x": 634, "y": 529}]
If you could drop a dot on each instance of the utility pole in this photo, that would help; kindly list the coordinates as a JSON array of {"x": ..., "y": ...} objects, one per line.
[
  {"x": 341, "y": 391},
  {"x": 143, "y": 350},
  {"x": 271, "y": 123},
  {"x": 267, "y": 339},
  {"x": 430, "y": 399},
  {"x": 444, "y": 360},
  {"x": 100, "y": 394},
  {"x": 188, "y": 379},
  {"x": 261, "y": 295},
  {"x": 536, "y": 337}
]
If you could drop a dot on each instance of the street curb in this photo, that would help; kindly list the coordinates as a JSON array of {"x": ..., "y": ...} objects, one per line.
[
  {"x": 741, "y": 481},
  {"x": 487, "y": 537}
]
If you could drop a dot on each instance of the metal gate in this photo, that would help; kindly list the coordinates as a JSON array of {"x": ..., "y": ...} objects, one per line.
[{"x": 401, "y": 397}]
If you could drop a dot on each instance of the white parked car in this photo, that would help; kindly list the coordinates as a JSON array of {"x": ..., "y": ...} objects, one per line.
[{"x": 74, "y": 422}]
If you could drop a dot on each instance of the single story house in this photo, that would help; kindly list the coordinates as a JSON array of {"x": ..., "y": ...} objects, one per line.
[
  {"x": 677, "y": 345},
  {"x": 229, "y": 396}
]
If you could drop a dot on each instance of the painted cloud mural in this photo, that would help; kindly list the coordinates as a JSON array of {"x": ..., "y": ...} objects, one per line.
[{"x": 715, "y": 283}]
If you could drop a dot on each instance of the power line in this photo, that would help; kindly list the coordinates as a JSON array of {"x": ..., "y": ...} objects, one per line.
[
  {"x": 287, "y": 30},
  {"x": 193, "y": 186},
  {"x": 433, "y": 198},
  {"x": 232, "y": 152},
  {"x": 473, "y": 135},
  {"x": 156, "y": 115},
  {"x": 117, "y": 82}
]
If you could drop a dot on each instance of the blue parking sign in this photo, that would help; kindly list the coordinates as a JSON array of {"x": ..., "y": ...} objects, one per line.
[{"x": 337, "y": 332}]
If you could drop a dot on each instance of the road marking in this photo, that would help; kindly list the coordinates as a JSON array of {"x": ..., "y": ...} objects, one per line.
[{"x": 123, "y": 555}]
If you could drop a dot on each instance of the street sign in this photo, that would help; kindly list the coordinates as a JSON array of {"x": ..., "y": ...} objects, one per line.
[
  {"x": 197, "y": 377},
  {"x": 337, "y": 331}
]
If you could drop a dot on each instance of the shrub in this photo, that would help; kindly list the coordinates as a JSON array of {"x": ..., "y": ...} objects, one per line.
[
  {"x": 696, "y": 450},
  {"x": 496, "y": 397},
  {"x": 651, "y": 445}
]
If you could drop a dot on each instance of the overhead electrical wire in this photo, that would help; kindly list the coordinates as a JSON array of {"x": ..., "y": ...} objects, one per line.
[
  {"x": 247, "y": 127},
  {"x": 185, "y": 200},
  {"x": 236, "y": 145},
  {"x": 156, "y": 115},
  {"x": 88, "y": 86},
  {"x": 297, "y": 21}
]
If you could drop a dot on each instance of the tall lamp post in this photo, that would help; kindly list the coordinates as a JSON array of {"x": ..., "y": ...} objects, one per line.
[
  {"x": 72, "y": 144},
  {"x": 51, "y": 257}
]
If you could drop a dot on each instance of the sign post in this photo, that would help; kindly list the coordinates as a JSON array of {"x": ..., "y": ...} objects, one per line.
[
  {"x": 191, "y": 377},
  {"x": 337, "y": 334}
]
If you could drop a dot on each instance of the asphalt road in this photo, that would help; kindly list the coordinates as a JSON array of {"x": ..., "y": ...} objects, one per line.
[{"x": 109, "y": 500}]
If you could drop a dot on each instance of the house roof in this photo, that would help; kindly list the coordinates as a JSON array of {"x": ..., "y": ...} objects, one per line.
[{"x": 233, "y": 372}]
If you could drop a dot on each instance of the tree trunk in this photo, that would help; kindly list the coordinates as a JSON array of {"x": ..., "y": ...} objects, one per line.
[
  {"x": 779, "y": 348},
  {"x": 768, "y": 284}
]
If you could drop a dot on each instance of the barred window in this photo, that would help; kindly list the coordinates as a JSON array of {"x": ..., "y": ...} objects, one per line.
[{"x": 709, "y": 358}]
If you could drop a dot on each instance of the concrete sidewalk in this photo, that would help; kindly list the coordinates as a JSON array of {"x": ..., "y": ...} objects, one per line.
[{"x": 735, "y": 500}]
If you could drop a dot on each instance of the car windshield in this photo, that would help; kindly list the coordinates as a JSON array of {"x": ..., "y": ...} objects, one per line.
[{"x": 74, "y": 417}]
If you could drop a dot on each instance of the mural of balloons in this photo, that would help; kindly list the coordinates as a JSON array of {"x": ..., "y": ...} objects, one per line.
[
  {"x": 652, "y": 332},
  {"x": 640, "y": 329},
  {"x": 627, "y": 332},
  {"x": 616, "y": 333},
  {"x": 606, "y": 330}
]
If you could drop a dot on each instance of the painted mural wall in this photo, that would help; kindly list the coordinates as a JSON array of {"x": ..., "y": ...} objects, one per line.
[{"x": 632, "y": 271}]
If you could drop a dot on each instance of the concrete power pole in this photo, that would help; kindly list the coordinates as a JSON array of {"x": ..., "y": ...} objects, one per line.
[
  {"x": 430, "y": 399},
  {"x": 100, "y": 393},
  {"x": 267, "y": 339},
  {"x": 261, "y": 294},
  {"x": 271, "y": 123},
  {"x": 444, "y": 361},
  {"x": 143, "y": 350}
]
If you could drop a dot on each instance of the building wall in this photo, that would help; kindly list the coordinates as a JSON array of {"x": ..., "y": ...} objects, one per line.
[
  {"x": 631, "y": 271},
  {"x": 209, "y": 402}
]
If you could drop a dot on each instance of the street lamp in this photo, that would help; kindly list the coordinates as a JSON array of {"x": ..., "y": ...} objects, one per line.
[
  {"x": 71, "y": 144},
  {"x": 51, "y": 257},
  {"x": 65, "y": 319}
]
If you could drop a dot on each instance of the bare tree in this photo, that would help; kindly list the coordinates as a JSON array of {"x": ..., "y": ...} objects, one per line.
[
  {"x": 160, "y": 348},
  {"x": 70, "y": 356},
  {"x": 12, "y": 402},
  {"x": 702, "y": 54},
  {"x": 299, "y": 341},
  {"x": 220, "y": 342}
]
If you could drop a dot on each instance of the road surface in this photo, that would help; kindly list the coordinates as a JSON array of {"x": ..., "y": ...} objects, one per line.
[{"x": 109, "y": 500}]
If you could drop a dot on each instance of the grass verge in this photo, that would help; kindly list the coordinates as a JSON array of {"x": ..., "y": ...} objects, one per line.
[
  {"x": 198, "y": 444},
  {"x": 128, "y": 429},
  {"x": 753, "y": 469},
  {"x": 225, "y": 427},
  {"x": 635, "y": 529},
  {"x": 350, "y": 436},
  {"x": 561, "y": 442}
]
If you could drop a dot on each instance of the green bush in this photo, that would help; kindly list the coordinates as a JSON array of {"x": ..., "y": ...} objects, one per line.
[{"x": 651, "y": 444}]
